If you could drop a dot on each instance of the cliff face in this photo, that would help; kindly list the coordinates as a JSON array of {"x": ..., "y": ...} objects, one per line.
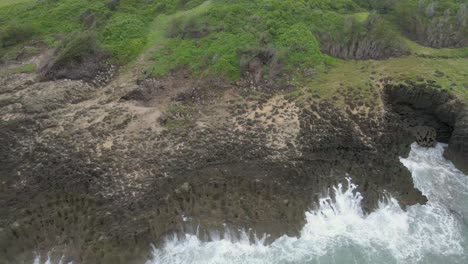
[
  {"x": 432, "y": 25},
  {"x": 440, "y": 33},
  {"x": 432, "y": 116},
  {"x": 457, "y": 151},
  {"x": 372, "y": 39},
  {"x": 365, "y": 47}
]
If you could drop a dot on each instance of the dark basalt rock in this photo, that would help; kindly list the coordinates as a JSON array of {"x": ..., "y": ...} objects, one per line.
[
  {"x": 440, "y": 32},
  {"x": 371, "y": 40},
  {"x": 109, "y": 204},
  {"x": 425, "y": 136},
  {"x": 363, "y": 48},
  {"x": 431, "y": 114},
  {"x": 457, "y": 150}
]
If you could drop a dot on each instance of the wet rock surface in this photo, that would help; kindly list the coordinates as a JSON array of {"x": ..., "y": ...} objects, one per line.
[
  {"x": 457, "y": 151},
  {"x": 92, "y": 172},
  {"x": 432, "y": 115}
]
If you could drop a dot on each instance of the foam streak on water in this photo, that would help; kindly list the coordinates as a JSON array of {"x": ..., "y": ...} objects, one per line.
[
  {"x": 49, "y": 261},
  {"x": 339, "y": 231}
]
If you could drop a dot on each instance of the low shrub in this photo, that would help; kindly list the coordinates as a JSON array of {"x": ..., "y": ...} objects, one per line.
[
  {"x": 78, "y": 57},
  {"x": 78, "y": 46},
  {"x": 301, "y": 47},
  {"x": 191, "y": 27},
  {"x": 124, "y": 36},
  {"x": 15, "y": 34}
]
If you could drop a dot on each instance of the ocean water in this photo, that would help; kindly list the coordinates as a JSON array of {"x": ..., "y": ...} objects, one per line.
[{"x": 339, "y": 232}]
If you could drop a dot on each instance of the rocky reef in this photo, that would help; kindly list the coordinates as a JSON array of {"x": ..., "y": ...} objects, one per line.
[{"x": 103, "y": 170}]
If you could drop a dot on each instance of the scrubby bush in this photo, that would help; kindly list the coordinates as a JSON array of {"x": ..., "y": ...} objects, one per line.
[
  {"x": 334, "y": 5},
  {"x": 124, "y": 36},
  {"x": 218, "y": 53},
  {"x": 300, "y": 46},
  {"x": 113, "y": 4},
  {"x": 78, "y": 46},
  {"x": 15, "y": 34},
  {"x": 191, "y": 27},
  {"x": 382, "y": 6},
  {"x": 78, "y": 57}
]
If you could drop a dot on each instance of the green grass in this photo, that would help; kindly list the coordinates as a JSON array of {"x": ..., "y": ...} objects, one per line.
[
  {"x": 157, "y": 38},
  {"x": 361, "y": 16},
  {"x": 124, "y": 36},
  {"x": 237, "y": 31},
  {"x": 454, "y": 72},
  {"x": 25, "y": 68},
  {"x": 428, "y": 51},
  {"x": 182, "y": 110},
  {"x": 347, "y": 75},
  {"x": 360, "y": 77},
  {"x": 11, "y": 2},
  {"x": 123, "y": 30},
  {"x": 50, "y": 18},
  {"x": 221, "y": 37},
  {"x": 179, "y": 116}
]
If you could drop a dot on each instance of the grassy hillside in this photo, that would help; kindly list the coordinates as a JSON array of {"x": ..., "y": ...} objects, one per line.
[
  {"x": 10, "y": 2},
  {"x": 269, "y": 38},
  {"x": 358, "y": 79}
]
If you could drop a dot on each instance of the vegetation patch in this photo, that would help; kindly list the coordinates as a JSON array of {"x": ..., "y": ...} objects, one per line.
[
  {"x": 262, "y": 40},
  {"x": 12, "y": 2},
  {"x": 14, "y": 34},
  {"x": 25, "y": 68},
  {"x": 358, "y": 81},
  {"x": 78, "y": 57},
  {"x": 177, "y": 116},
  {"x": 124, "y": 36}
]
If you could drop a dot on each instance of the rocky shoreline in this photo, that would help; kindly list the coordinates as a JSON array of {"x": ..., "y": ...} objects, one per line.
[{"x": 108, "y": 170}]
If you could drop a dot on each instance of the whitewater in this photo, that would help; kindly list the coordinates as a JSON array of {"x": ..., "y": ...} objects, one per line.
[{"x": 339, "y": 232}]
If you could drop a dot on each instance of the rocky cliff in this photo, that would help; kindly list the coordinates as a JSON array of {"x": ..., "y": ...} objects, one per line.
[
  {"x": 433, "y": 116},
  {"x": 372, "y": 39},
  {"x": 108, "y": 173},
  {"x": 435, "y": 25}
]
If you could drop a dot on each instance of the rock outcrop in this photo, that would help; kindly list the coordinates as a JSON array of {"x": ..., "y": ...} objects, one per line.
[
  {"x": 440, "y": 32},
  {"x": 372, "y": 39},
  {"x": 96, "y": 171},
  {"x": 432, "y": 26},
  {"x": 432, "y": 115},
  {"x": 457, "y": 151},
  {"x": 363, "y": 47}
]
